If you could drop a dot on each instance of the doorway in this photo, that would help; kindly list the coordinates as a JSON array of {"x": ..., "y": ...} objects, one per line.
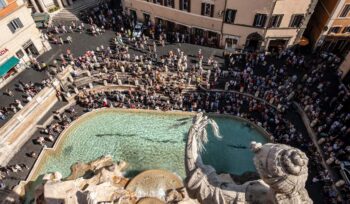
[
  {"x": 253, "y": 42},
  {"x": 277, "y": 45},
  {"x": 30, "y": 49}
]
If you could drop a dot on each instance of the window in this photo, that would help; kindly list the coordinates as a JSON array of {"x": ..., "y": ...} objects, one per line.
[
  {"x": 334, "y": 29},
  {"x": 275, "y": 21},
  {"x": 146, "y": 18},
  {"x": 296, "y": 21},
  {"x": 185, "y": 5},
  {"x": 160, "y": 2},
  {"x": 345, "y": 11},
  {"x": 259, "y": 20},
  {"x": 2, "y": 3},
  {"x": 207, "y": 9},
  {"x": 230, "y": 43},
  {"x": 346, "y": 29},
  {"x": 15, "y": 25},
  {"x": 230, "y": 16},
  {"x": 169, "y": 3}
]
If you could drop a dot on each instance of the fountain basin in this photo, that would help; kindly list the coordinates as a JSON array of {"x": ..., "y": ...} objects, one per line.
[{"x": 149, "y": 140}]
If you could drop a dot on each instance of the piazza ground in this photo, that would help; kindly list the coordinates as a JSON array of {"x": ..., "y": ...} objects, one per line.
[{"x": 84, "y": 42}]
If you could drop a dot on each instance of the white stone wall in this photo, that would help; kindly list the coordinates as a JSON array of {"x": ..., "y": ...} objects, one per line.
[{"x": 14, "y": 41}]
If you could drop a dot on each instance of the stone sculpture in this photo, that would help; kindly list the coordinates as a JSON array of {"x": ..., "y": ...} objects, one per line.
[
  {"x": 282, "y": 169},
  {"x": 102, "y": 181}
]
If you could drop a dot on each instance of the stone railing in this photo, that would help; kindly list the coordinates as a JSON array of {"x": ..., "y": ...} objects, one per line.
[
  {"x": 241, "y": 93},
  {"x": 314, "y": 140},
  {"x": 22, "y": 125}
]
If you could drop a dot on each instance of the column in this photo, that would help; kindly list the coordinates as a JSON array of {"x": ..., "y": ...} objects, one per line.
[
  {"x": 42, "y": 5},
  {"x": 36, "y": 8},
  {"x": 59, "y": 2}
]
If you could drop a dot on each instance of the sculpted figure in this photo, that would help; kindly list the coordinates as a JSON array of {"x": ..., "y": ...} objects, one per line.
[{"x": 282, "y": 169}]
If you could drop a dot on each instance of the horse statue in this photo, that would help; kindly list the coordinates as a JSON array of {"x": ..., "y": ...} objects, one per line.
[{"x": 283, "y": 171}]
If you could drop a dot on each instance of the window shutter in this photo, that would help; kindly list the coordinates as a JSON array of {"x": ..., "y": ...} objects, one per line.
[
  {"x": 19, "y": 22},
  {"x": 189, "y": 5},
  {"x": 234, "y": 16},
  {"x": 173, "y": 3},
  {"x": 165, "y": 2},
  {"x": 271, "y": 21},
  {"x": 264, "y": 17},
  {"x": 181, "y": 4},
  {"x": 279, "y": 20},
  {"x": 212, "y": 10},
  {"x": 255, "y": 19},
  {"x": 11, "y": 28},
  {"x": 203, "y": 7}
]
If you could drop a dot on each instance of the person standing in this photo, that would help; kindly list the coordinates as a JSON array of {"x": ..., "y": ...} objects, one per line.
[
  {"x": 69, "y": 39},
  {"x": 61, "y": 41}
]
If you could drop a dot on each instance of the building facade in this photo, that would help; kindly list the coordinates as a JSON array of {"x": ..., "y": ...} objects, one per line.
[
  {"x": 40, "y": 6},
  {"x": 233, "y": 24},
  {"x": 20, "y": 39},
  {"x": 329, "y": 27}
]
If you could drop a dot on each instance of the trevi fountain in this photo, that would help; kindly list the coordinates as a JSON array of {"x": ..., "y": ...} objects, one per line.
[{"x": 279, "y": 175}]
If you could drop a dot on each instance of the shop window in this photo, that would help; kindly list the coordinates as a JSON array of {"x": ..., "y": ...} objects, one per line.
[
  {"x": 296, "y": 21},
  {"x": 19, "y": 54},
  {"x": 346, "y": 29},
  {"x": 335, "y": 29},
  {"x": 260, "y": 20},
  {"x": 345, "y": 11},
  {"x": 230, "y": 16},
  {"x": 2, "y": 3},
  {"x": 15, "y": 25},
  {"x": 198, "y": 32},
  {"x": 185, "y": 5},
  {"x": 207, "y": 9},
  {"x": 275, "y": 21},
  {"x": 169, "y": 3}
]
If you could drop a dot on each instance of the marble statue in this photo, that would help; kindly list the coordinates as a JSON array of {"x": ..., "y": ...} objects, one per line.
[
  {"x": 106, "y": 184},
  {"x": 283, "y": 171}
]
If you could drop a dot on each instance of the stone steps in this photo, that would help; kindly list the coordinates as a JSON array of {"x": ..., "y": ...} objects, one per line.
[{"x": 72, "y": 13}]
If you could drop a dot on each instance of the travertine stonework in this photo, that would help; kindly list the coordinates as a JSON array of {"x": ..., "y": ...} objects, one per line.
[{"x": 282, "y": 169}]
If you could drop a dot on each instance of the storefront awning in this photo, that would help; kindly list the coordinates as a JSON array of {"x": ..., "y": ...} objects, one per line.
[
  {"x": 41, "y": 17},
  {"x": 7, "y": 65}
]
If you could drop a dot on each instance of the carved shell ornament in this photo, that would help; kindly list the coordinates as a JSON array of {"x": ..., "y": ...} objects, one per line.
[{"x": 282, "y": 167}]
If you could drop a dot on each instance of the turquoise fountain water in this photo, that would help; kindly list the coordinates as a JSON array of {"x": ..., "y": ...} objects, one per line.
[{"x": 151, "y": 141}]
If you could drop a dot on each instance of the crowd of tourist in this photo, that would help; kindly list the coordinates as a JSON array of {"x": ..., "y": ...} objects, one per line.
[
  {"x": 258, "y": 87},
  {"x": 27, "y": 92}
]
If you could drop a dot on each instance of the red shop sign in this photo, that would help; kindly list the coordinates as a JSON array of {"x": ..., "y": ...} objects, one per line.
[{"x": 3, "y": 51}]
